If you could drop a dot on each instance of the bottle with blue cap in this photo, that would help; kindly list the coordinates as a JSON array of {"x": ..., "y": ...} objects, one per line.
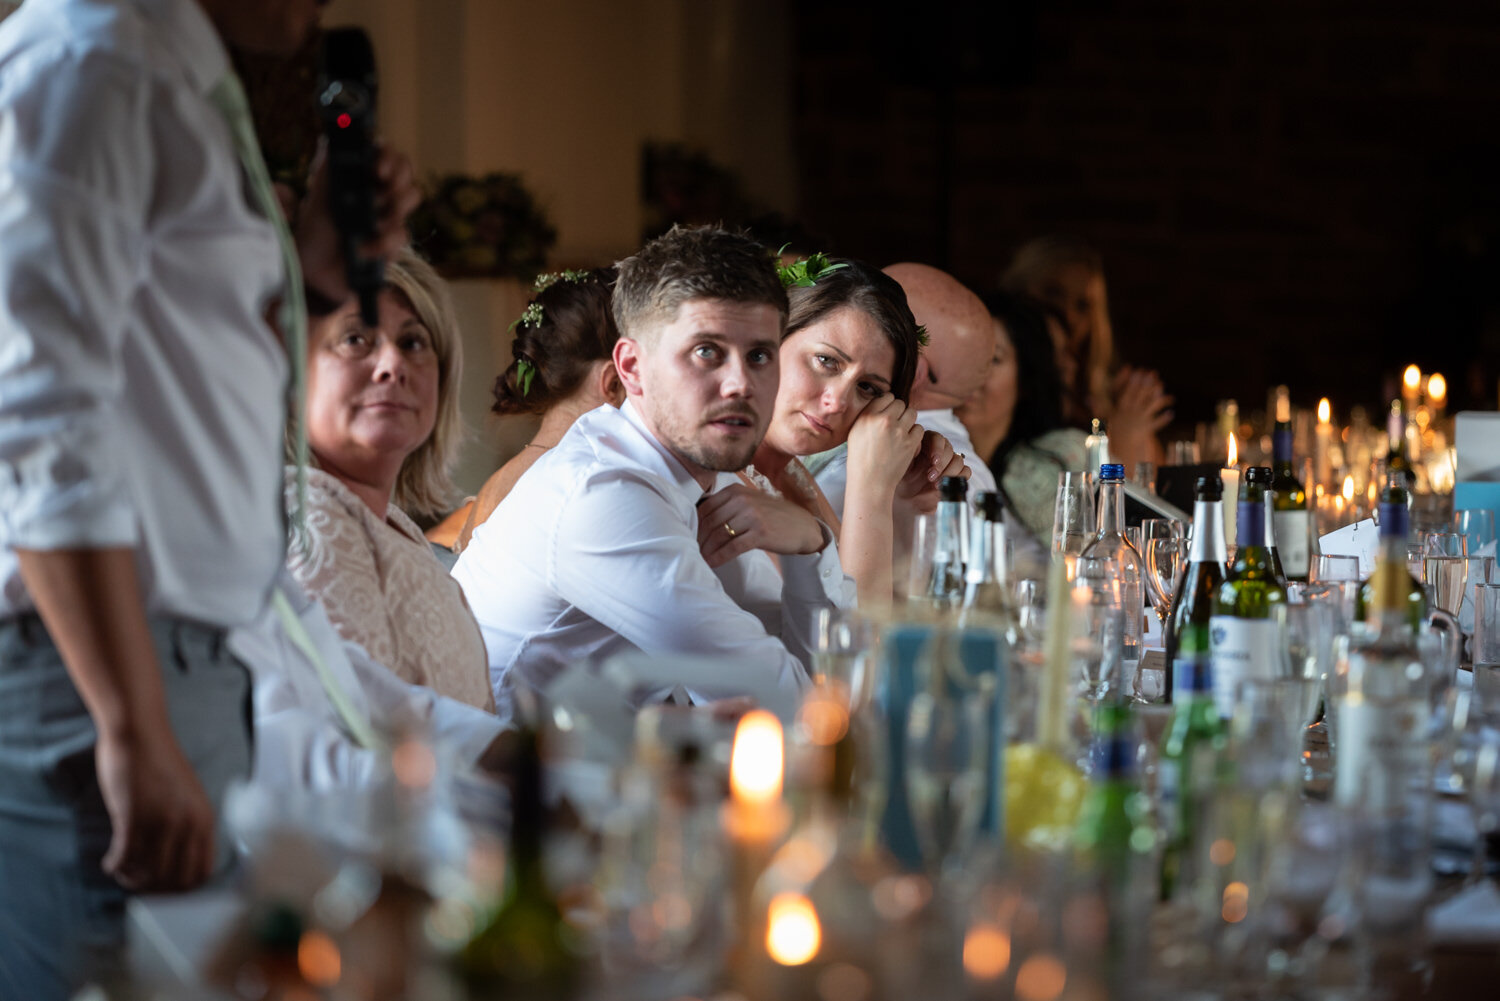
[{"x": 1110, "y": 543}]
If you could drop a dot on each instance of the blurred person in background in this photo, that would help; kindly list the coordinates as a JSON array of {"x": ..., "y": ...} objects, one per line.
[
  {"x": 1016, "y": 419},
  {"x": 383, "y": 429},
  {"x": 1069, "y": 274},
  {"x": 563, "y": 367}
]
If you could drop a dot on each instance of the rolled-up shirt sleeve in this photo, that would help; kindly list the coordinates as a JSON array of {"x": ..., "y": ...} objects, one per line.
[
  {"x": 630, "y": 562},
  {"x": 74, "y": 197}
]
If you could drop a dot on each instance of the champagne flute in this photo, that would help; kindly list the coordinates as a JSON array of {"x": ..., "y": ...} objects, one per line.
[
  {"x": 1166, "y": 561},
  {"x": 1073, "y": 515},
  {"x": 1446, "y": 577}
]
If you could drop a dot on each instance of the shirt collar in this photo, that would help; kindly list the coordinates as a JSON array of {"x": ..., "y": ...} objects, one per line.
[
  {"x": 183, "y": 27},
  {"x": 691, "y": 489}
]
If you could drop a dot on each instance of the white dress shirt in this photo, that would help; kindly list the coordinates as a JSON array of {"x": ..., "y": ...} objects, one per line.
[
  {"x": 595, "y": 553},
  {"x": 300, "y": 742},
  {"x": 142, "y": 392},
  {"x": 831, "y": 468}
]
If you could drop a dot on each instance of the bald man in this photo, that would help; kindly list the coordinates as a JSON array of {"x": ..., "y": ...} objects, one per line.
[{"x": 950, "y": 369}]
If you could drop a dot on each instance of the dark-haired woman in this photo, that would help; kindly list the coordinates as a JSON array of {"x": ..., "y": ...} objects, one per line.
[
  {"x": 847, "y": 364},
  {"x": 1016, "y": 418},
  {"x": 562, "y": 370}
]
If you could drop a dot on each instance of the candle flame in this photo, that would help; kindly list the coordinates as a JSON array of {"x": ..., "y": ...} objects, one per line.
[
  {"x": 1412, "y": 378},
  {"x": 1437, "y": 388},
  {"x": 986, "y": 952},
  {"x": 318, "y": 959},
  {"x": 756, "y": 763},
  {"x": 1041, "y": 978},
  {"x": 1234, "y": 452},
  {"x": 1325, "y": 412},
  {"x": 793, "y": 934},
  {"x": 1349, "y": 488}
]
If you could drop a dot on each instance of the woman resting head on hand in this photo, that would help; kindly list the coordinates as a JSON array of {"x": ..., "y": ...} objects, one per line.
[
  {"x": 847, "y": 364},
  {"x": 563, "y": 368},
  {"x": 382, "y": 430}
]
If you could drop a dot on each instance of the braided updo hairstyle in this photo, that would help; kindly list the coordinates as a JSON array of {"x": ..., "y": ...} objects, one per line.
[{"x": 575, "y": 331}]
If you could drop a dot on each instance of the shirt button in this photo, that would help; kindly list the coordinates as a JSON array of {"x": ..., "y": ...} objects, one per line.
[{"x": 827, "y": 573}]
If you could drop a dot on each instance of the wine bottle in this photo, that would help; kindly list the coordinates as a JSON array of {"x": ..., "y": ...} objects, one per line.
[
  {"x": 1399, "y": 460},
  {"x": 945, "y": 588},
  {"x": 1264, "y": 476},
  {"x": 1249, "y": 610},
  {"x": 524, "y": 950},
  {"x": 1193, "y": 604},
  {"x": 1192, "y": 760},
  {"x": 1110, "y": 543},
  {"x": 1096, "y": 445},
  {"x": 985, "y": 573},
  {"x": 1395, "y": 524},
  {"x": 1289, "y": 506}
]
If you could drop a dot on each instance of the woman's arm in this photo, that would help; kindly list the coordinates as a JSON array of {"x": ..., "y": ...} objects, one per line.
[{"x": 882, "y": 444}]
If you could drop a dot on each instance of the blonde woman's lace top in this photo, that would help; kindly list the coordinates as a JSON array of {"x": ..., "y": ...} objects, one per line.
[{"x": 385, "y": 590}]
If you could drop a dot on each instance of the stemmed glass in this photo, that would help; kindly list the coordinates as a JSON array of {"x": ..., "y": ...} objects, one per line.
[
  {"x": 1446, "y": 576},
  {"x": 1166, "y": 561},
  {"x": 1445, "y": 544},
  {"x": 1477, "y": 526}
]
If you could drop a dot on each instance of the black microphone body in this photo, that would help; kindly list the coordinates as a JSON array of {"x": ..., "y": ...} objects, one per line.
[{"x": 346, "y": 104}]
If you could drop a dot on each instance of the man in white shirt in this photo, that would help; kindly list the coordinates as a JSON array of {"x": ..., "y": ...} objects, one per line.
[
  {"x": 598, "y": 550},
  {"x": 950, "y": 369},
  {"x": 142, "y": 403}
]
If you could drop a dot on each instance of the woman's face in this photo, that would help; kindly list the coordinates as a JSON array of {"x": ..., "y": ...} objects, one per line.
[
  {"x": 829, "y": 372},
  {"x": 1075, "y": 290},
  {"x": 994, "y": 406},
  {"x": 372, "y": 392}
]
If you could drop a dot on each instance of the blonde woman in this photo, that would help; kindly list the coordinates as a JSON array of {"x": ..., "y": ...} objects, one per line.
[
  {"x": 382, "y": 430},
  {"x": 1068, "y": 274}
]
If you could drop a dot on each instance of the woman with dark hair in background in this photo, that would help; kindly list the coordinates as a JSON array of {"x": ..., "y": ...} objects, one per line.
[
  {"x": 1016, "y": 419},
  {"x": 847, "y": 364},
  {"x": 563, "y": 368}
]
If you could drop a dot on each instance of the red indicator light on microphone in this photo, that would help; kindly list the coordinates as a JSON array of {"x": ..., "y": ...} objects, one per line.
[{"x": 344, "y": 121}]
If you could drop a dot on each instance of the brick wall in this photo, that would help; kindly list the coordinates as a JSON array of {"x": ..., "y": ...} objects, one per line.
[{"x": 1295, "y": 183}]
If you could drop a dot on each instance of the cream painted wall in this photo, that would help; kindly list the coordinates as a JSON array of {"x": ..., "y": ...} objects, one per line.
[{"x": 566, "y": 94}]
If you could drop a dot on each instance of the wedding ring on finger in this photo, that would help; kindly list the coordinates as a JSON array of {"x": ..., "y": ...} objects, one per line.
[{"x": 732, "y": 532}]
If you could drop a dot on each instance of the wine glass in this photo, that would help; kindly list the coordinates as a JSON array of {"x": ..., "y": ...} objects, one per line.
[
  {"x": 1445, "y": 544},
  {"x": 1446, "y": 578},
  {"x": 1477, "y": 525},
  {"x": 1073, "y": 515},
  {"x": 843, "y": 642},
  {"x": 1166, "y": 562}
]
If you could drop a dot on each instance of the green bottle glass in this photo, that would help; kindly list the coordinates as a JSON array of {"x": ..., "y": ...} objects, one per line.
[
  {"x": 1193, "y": 604},
  {"x": 1289, "y": 507},
  {"x": 1395, "y": 524},
  {"x": 1399, "y": 459},
  {"x": 1249, "y": 611},
  {"x": 1263, "y": 476},
  {"x": 525, "y": 949},
  {"x": 1193, "y": 746}
]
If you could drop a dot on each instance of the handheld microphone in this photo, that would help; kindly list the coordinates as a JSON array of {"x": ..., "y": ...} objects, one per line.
[{"x": 346, "y": 104}]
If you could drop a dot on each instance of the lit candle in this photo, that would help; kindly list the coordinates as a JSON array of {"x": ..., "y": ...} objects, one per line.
[
  {"x": 1230, "y": 474},
  {"x": 1411, "y": 386},
  {"x": 1437, "y": 394},
  {"x": 1322, "y": 446},
  {"x": 755, "y": 818}
]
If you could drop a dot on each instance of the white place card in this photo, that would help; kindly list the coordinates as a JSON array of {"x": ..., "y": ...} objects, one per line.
[{"x": 1360, "y": 539}]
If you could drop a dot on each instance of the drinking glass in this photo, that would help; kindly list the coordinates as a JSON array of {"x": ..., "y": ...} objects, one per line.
[
  {"x": 1483, "y": 782},
  {"x": 843, "y": 657},
  {"x": 1485, "y": 650},
  {"x": 947, "y": 732},
  {"x": 1145, "y": 475},
  {"x": 1073, "y": 514},
  {"x": 1477, "y": 526},
  {"x": 1446, "y": 578},
  {"x": 1445, "y": 544},
  {"x": 1098, "y": 630},
  {"x": 1414, "y": 561},
  {"x": 1165, "y": 552},
  {"x": 1031, "y": 600},
  {"x": 1184, "y": 453},
  {"x": 1336, "y": 568},
  {"x": 924, "y": 562}
]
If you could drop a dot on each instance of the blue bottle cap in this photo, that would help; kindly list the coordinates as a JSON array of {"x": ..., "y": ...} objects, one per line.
[{"x": 1112, "y": 471}]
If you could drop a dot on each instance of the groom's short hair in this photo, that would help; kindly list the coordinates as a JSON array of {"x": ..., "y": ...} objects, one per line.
[{"x": 687, "y": 263}]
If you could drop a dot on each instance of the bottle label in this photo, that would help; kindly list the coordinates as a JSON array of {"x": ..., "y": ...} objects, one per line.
[
  {"x": 1192, "y": 674},
  {"x": 1395, "y": 520},
  {"x": 1281, "y": 445},
  {"x": 1251, "y": 524},
  {"x": 1292, "y": 541},
  {"x": 1242, "y": 650},
  {"x": 1382, "y": 754}
]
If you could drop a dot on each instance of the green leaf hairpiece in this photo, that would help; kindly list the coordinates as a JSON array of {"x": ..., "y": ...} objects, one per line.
[
  {"x": 805, "y": 271},
  {"x": 547, "y": 280},
  {"x": 922, "y": 339},
  {"x": 525, "y": 372},
  {"x": 531, "y": 316}
]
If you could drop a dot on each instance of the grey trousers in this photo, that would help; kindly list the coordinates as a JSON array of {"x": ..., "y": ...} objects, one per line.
[{"x": 62, "y": 919}]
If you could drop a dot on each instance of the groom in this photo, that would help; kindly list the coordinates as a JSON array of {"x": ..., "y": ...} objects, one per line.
[{"x": 597, "y": 550}]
